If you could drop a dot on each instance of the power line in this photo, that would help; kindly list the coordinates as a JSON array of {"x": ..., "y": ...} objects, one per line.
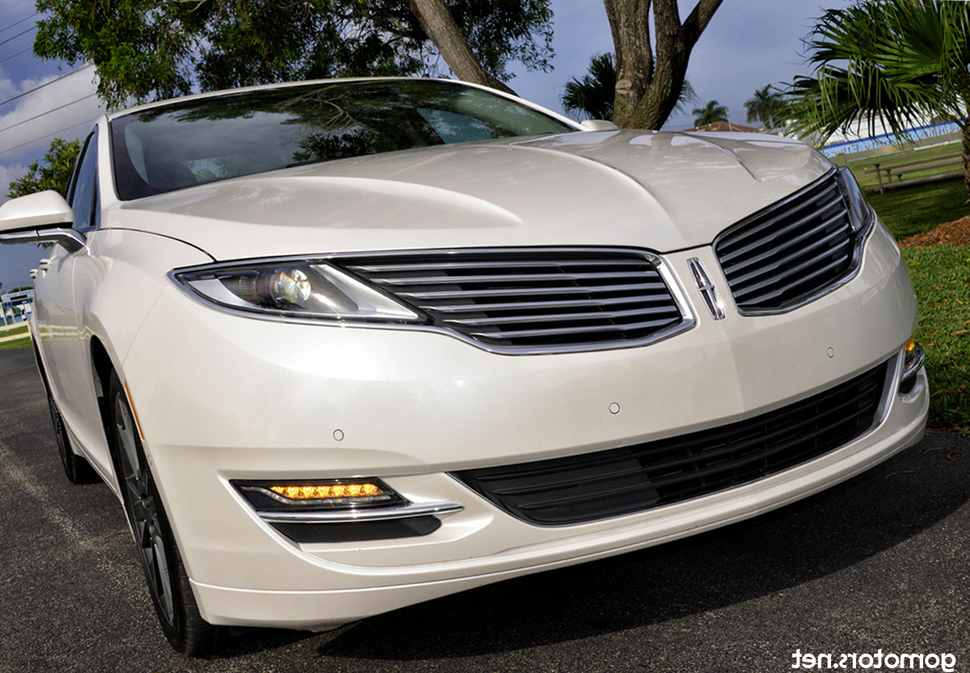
[
  {"x": 42, "y": 114},
  {"x": 16, "y": 23},
  {"x": 41, "y": 86},
  {"x": 22, "y": 51},
  {"x": 11, "y": 39},
  {"x": 30, "y": 142}
]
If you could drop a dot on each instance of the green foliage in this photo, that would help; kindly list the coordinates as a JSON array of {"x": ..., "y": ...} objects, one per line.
[
  {"x": 710, "y": 113},
  {"x": 51, "y": 172},
  {"x": 146, "y": 50},
  {"x": 768, "y": 106},
  {"x": 592, "y": 96},
  {"x": 941, "y": 276},
  {"x": 891, "y": 59}
]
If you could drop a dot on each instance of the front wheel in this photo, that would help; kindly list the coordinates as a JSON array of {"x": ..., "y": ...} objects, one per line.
[{"x": 167, "y": 581}]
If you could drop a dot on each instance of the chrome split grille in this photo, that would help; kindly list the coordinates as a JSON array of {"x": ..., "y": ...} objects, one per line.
[
  {"x": 791, "y": 251},
  {"x": 617, "y": 482},
  {"x": 533, "y": 299}
]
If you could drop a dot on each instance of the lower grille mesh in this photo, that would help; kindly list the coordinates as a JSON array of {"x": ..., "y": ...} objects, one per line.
[{"x": 632, "y": 479}]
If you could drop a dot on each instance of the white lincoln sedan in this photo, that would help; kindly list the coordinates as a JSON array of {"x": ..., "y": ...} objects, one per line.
[{"x": 344, "y": 346}]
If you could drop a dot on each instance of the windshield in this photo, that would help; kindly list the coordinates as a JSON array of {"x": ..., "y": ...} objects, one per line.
[{"x": 191, "y": 142}]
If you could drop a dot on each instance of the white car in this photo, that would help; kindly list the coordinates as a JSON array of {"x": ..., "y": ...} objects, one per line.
[{"x": 344, "y": 346}]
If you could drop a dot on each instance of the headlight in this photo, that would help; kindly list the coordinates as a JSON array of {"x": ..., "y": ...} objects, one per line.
[
  {"x": 860, "y": 214},
  {"x": 311, "y": 289}
]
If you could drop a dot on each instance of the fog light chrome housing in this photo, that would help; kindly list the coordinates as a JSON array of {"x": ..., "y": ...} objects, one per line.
[
  {"x": 341, "y": 510},
  {"x": 912, "y": 363}
]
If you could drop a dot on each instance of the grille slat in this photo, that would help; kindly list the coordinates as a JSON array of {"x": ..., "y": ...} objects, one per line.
[
  {"x": 531, "y": 300},
  {"x": 564, "y": 331},
  {"x": 545, "y": 305},
  {"x": 509, "y": 278},
  {"x": 781, "y": 289},
  {"x": 790, "y": 220},
  {"x": 555, "y": 317},
  {"x": 374, "y": 269},
  {"x": 529, "y": 291},
  {"x": 812, "y": 236},
  {"x": 791, "y": 252},
  {"x": 631, "y": 479}
]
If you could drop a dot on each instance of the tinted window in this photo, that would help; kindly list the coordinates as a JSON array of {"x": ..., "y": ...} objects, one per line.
[
  {"x": 82, "y": 193},
  {"x": 190, "y": 142}
]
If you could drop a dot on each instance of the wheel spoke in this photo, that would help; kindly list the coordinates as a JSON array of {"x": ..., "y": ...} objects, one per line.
[{"x": 142, "y": 509}]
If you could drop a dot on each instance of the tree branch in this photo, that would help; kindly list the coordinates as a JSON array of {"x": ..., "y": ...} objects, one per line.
[{"x": 440, "y": 26}]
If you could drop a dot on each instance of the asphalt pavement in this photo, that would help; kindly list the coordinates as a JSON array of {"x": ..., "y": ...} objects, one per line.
[{"x": 876, "y": 568}]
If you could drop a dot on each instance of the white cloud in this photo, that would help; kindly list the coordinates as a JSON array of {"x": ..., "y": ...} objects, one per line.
[
  {"x": 65, "y": 107},
  {"x": 9, "y": 173}
]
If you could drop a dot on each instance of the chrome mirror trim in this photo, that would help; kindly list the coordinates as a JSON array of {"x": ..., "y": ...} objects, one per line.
[{"x": 69, "y": 239}]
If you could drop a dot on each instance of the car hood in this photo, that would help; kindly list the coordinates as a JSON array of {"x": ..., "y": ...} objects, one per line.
[{"x": 658, "y": 191}]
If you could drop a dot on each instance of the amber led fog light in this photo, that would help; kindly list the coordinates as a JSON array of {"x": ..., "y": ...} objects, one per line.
[{"x": 317, "y": 495}]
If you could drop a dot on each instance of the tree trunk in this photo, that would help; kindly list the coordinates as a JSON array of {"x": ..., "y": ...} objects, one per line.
[
  {"x": 440, "y": 26},
  {"x": 648, "y": 86}
]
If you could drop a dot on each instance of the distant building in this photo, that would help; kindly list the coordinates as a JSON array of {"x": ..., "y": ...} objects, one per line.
[{"x": 17, "y": 306}]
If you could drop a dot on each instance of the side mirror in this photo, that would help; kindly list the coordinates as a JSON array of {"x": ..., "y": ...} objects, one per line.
[
  {"x": 598, "y": 125},
  {"x": 44, "y": 217}
]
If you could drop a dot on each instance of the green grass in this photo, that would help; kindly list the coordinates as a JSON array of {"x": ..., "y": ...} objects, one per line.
[
  {"x": 941, "y": 276},
  {"x": 16, "y": 343},
  {"x": 21, "y": 328},
  {"x": 913, "y": 210}
]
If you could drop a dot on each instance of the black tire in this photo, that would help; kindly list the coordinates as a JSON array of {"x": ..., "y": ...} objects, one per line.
[
  {"x": 76, "y": 468},
  {"x": 168, "y": 583}
]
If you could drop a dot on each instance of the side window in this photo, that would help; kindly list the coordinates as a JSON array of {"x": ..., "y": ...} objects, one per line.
[{"x": 83, "y": 191}]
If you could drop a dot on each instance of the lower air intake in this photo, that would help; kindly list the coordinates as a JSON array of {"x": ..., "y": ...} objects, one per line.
[{"x": 636, "y": 478}]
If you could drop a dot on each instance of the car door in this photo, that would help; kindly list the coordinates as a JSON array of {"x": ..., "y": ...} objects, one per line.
[{"x": 60, "y": 327}]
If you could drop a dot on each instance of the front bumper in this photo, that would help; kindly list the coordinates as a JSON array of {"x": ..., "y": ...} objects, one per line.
[{"x": 245, "y": 399}]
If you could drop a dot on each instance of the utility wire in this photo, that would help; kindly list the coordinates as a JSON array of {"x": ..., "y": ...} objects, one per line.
[
  {"x": 11, "y": 39},
  {"x": 23, "y": 51},
  {"x": 15, "y": 23},
  {"x": 30, "y": 142},
  {"x": 42, "y": 114},
  {"x": 41, "y": 86}
]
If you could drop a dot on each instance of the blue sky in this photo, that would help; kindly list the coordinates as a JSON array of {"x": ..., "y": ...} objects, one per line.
[{"x": 749, "y": 43}]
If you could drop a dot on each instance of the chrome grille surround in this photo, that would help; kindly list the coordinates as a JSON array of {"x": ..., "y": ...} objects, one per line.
[
  {"x": 794, "y": 251},
  {"x": 520, "y": 301}
]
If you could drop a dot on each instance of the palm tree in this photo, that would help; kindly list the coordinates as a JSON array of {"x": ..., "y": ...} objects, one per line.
[
  {"x": 898, "y": 60},
  {"x": 592, "y": 96},
  {"x": 710, "y": 113},
  {"x": 767, "y": 106}
]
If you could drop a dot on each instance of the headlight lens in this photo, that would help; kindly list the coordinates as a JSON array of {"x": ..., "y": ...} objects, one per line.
[
  {"x": 860, "y": 214},
  {"x": 312, "y": 289}
]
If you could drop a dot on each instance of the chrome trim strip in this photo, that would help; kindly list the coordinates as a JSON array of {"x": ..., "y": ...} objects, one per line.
[
  {"x": 409, "y": 511},
  {"x": 911, "y": 368},
  {"x": 688, "y": 321},
  {"x": 70, "y": 239}
]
